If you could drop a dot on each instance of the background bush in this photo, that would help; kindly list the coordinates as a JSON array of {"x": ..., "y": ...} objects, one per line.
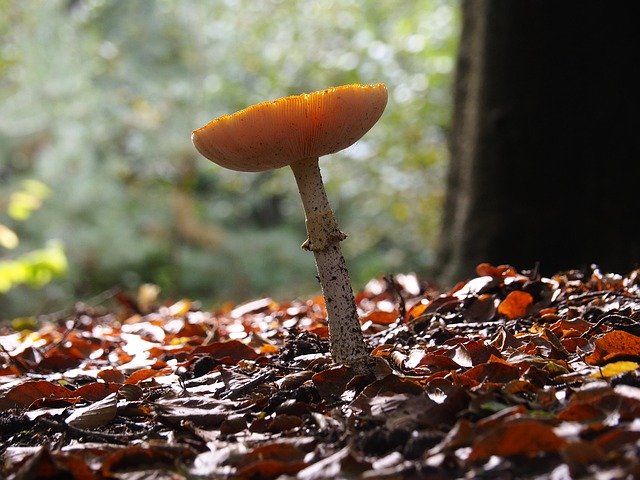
[{"x": 98, "y": 99}]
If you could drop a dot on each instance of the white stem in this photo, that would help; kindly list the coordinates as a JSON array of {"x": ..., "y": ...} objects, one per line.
[{"x": 347, "y": 342}]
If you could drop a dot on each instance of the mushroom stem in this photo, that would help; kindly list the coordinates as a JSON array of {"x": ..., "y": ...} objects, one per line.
[{"x": 324, "y": 237}]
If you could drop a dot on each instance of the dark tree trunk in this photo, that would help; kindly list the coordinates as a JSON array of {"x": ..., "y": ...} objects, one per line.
[{"x": 544, "y": 144}]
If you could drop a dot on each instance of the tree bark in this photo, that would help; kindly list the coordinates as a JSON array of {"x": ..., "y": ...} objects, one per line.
[{"x": 543, "y": 144}]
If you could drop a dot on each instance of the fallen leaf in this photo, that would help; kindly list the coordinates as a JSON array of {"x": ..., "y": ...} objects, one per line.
[
  {"x": 111, "y": 375},
  {"x": 144, "y": 374},
  {"x": 335, "y": 466},
  {"x": 26, "y": 393},
  {"x": 615, "y": 368},
  {"x": 95, "y": 391},
  {"x": 518, "y": 437},
  {"x": 284, "y": 422},
  {"x": 516, "y": 304},
  {"x": 332, "y": 382},
  {"x": 230, "y": 352},
  {"x": 202, "y": 411},
  {"x": 614, "y": 345},
  {"x": 494, "y": 372},
  {"x": 95, "y": 415},
  {"x": 579, "y": 455},
  {"x": 135, "y": 458},
  {"x": 269, "y": 469}
]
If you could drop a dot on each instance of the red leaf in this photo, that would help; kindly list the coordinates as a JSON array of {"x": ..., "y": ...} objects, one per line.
[
  {"x": 26, "y": 393},
  {"x": 269, "y": 469},
  {"x": 332, "y": 382},
  {"x": 284, "y": 422},
  {"x": 112, "y": 375},
  {"x": 394, "y": 384},
  {"x": 92, "y": 392},
  {"x": 494, "y": 372}
]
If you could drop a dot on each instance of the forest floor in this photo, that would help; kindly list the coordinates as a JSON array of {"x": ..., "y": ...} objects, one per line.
[{"x": 508, "y": 375}]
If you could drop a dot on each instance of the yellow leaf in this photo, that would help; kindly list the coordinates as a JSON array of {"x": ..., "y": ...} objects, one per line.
[{"x": 614, "y": 368}]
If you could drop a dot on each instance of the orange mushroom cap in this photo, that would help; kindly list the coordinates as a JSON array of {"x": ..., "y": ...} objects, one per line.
[{"x": 277, "y": 133}]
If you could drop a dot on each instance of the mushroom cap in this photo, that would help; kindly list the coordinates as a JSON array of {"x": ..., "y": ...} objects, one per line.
[{"x": 277, "y": 133}]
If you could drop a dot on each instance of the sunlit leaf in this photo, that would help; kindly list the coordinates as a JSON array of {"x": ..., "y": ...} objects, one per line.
[
  {"x": 615, "y": 368},
  {"x": 516, "y": 304},
  {"x": 614, "y": 345}
]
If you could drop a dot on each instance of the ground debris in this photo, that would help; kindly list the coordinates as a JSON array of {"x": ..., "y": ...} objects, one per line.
[{"x": 507, "y": 375}]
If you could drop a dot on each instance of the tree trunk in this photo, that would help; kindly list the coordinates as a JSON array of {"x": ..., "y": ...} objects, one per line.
[{"x": 544, "y": 145}]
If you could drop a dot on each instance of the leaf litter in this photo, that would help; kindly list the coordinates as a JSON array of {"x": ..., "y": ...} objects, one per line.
[{"x": 507, "y": 375}]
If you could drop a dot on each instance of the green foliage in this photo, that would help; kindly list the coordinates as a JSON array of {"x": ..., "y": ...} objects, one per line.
[
  {"x": 37, "y": 267},
  {"x": 99, "y": 97}
]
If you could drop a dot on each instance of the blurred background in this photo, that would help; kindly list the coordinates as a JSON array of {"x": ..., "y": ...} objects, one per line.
[{"x": 100, "y": 185}]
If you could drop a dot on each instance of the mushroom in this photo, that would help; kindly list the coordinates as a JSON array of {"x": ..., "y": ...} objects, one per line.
[{"x": 296, "y": 131}]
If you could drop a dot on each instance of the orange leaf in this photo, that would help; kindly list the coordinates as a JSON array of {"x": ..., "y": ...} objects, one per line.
[
  {"x": 417, "y": 310},
  {"x": 268, "y": 348},
  {"x": 516, "y": 304},
  {"x": 144, "y": 374},
  {"x": 488, "y": 269},
  {"x": 615, "y": 345},
  {"x": 520, "y": 437},
  {"x": 380, "y": 317}
]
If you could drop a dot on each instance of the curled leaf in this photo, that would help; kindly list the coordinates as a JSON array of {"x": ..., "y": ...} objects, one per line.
[{"x": 95, "y": 415}]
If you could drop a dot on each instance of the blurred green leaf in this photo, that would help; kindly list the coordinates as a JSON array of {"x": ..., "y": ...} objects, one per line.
[
  {"x": 28, "y": 199},
  {"x": 36, "y": 268}
]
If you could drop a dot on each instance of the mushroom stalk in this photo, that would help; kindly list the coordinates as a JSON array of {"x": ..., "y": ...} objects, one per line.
[{"x": 324, "y": 237}]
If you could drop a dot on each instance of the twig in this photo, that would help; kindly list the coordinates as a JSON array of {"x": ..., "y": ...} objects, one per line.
[
  {"x": 92, "y": 302},
  {"x": 402, "y": 307},
  {"x": 602, "y": 320},
  {"x": 13, "y": 360},
  {"x": 107, "y": 437}
]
